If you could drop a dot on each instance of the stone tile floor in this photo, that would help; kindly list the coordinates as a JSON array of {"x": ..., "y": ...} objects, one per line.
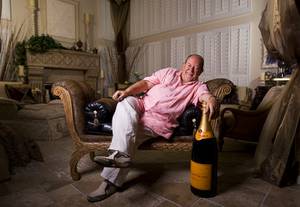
[{"x": 157, "y": 179}]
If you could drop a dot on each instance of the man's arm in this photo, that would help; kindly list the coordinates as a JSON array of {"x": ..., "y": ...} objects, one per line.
[{"x": 136, "y": 88}]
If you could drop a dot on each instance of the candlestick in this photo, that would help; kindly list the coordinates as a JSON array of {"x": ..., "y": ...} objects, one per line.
[
  {"x": 31, "y": 3},
  {"x": 87, "y": 18},
  {"x": 21, "y": 71}
]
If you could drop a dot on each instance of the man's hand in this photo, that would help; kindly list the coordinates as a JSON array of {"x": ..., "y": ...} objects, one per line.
[
  {"x": 213, "y": 107},
  {"x": 136, "y": 88},
  {"x": 120, "y": 95}
]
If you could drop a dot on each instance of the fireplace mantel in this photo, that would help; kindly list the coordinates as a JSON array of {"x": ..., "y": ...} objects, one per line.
[{"x": 56, "y": 65}]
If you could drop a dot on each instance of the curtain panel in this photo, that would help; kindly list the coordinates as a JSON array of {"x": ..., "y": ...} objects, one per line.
[
  {"x": 120, "y": 21},
  {"x": 278, "y": 151}
]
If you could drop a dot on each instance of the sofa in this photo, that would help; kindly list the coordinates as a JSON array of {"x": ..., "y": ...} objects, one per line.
[
  {"x": 23, "y": 121},
  {"x": 8, "y": 106},
  {"x": 8, "y": 109},
  {"x": 21, "y": 110}
]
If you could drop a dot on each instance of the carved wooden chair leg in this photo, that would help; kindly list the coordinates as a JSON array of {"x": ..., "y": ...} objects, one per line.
[
  {"x": 75, "y": 157},
  {"x": 92, "y": 155},
  {"x": 221, "y": 143}
]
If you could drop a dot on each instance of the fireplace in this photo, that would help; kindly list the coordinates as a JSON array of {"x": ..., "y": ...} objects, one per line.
[{"x": 54, "y": 65}]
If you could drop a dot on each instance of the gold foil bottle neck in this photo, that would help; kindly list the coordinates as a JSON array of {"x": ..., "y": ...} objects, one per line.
[
  {"x": 204, "y": 130},
  {"x": 203, "y": 105}
]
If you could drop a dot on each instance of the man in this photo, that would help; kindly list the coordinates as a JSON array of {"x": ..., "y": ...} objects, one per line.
[{"x": 168, "y": 92}]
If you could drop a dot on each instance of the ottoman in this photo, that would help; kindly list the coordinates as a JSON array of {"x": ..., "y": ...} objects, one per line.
[{"x": 41, "y": 121}]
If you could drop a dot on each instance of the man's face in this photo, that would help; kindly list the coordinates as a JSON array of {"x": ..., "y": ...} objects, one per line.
[{"x": 191, "y": 69}]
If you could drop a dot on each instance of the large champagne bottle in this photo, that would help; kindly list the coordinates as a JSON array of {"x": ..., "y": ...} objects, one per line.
[{"x": 203, "y": 172}]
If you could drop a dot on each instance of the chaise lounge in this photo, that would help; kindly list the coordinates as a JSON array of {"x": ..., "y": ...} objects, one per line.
[{"x": 76, "y": 95}]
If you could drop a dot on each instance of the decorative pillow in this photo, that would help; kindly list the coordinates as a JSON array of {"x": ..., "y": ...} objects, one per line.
[
  {"x": 98, "y": 116},
  {"x": 185, "y": 121},
  {"x": 20, "y": 92}
]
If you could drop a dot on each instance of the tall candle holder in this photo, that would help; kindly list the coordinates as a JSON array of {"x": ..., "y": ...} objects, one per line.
[
  {"x": 21, "y": 73},
  {"x": 87, "y": 21},
  {"x": 33, "y": 6}
]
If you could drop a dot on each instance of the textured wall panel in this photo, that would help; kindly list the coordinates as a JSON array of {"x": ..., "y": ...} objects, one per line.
[
  {"x": 221, "y": 7},
  {"x": 155, "y": 16},
  {"x": 205, "y": 10},
  {"x": 177, "y": 51},
  {"x": 240, "y": 53},
  {"x": 190, "y": 44},
  {"x": 154, "y": 56},
  {"x": 226, "y": 53},
  {"x": 240, "y": 6},
  {"x": 205, "y": 47},
  {"x": 105, "y": 21}
]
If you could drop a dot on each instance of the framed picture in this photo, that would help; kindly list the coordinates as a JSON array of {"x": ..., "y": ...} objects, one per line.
[
  {"x": 62, "y": 20},
  {"x": 265, "y": 64}
]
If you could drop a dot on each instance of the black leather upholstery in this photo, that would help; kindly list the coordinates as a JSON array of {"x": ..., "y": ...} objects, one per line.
[
  {"x": 185, "y": 121},
  {"x": 98, "y": 116}
]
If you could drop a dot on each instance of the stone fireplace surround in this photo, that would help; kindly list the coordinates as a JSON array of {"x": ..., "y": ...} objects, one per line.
[
  {"x": 46, "y": 120},
  {"x": 54, "y": 65}
]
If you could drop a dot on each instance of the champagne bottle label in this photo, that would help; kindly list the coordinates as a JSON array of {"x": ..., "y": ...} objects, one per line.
[
  {"x": 201, "y": 175},
  {"x": 203, "y": 135}
]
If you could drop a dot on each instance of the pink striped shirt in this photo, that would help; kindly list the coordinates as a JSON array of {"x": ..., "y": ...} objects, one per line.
[{"x": 167, "y": 100}]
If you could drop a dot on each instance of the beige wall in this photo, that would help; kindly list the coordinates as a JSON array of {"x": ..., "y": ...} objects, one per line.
[
  {"x": 256, "y": 43},
  {"x": 21, "y": 14},
  {"x": 104, "y": 34},
  {"x": 255, "y": 38}
]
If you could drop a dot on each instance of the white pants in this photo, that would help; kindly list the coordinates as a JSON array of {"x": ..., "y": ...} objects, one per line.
[{"x": 127, "y": 135}]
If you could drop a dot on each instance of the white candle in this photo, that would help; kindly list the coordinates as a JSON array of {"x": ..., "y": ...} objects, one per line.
[
  {"x": 21, "y": 71},
  {"x": 31, "y": 3},
  {"x": 262, "y": 76},
  {"x": 87, "y": 18}
]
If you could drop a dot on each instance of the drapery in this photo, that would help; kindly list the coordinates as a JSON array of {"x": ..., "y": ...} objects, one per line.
[
  {"x": 10, "y": 35},
  {"x": 133, "y": 55},
  {"x": 0, "y": 10},
  {"x": 278, "y": 151},
  {"x": 109, "y": 63},
  {"x": 119, "y": 16},
  {"x": 6, "y": 50}
]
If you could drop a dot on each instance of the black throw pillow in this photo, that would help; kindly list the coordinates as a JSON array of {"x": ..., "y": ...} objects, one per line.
[
  {"x": 185, "y": 121},
  {"x": 98, "y": 116}
]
